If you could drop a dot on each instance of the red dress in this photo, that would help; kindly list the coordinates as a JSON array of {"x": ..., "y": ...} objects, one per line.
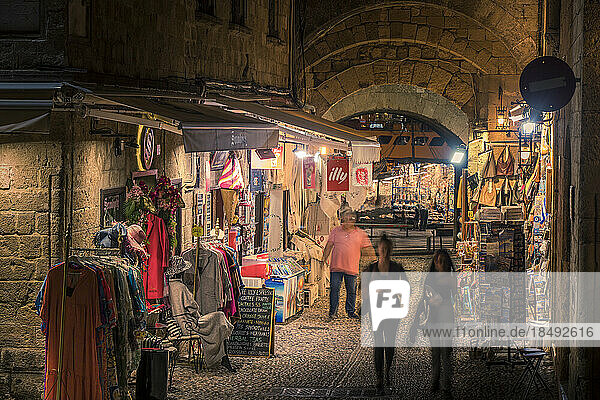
[{"x": 158, "y": 249}]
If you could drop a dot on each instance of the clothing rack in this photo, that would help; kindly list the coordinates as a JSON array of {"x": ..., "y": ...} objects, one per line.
[{"x": 98, "y": 251}]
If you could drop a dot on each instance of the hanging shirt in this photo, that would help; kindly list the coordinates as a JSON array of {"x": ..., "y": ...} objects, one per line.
[
  {"x": 158, "y": 248},
  {"x": 345, "y": 256}
]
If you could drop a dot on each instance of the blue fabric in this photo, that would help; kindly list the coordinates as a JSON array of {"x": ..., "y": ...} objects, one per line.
[{"x": 334, "y": 292}]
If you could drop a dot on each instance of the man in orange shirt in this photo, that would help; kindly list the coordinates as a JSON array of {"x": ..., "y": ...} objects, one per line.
[{"x": 345, "y": 245}]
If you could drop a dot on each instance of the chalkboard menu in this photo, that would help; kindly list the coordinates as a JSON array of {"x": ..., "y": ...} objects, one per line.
[{"x": 253, "y": 335}]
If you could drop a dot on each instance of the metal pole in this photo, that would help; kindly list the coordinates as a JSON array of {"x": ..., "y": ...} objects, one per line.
[{"x": 457, "y": 173}]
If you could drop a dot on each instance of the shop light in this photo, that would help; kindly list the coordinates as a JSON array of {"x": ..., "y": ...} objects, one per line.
[
  {"x": 458, "y": 156},
  {"x": 300, "y": 153},
  {"x": 516, "y": 113},
  {"x": 500, "y": 117},
  {"x": 528, "y": 128},
  {"x": 323, "y": 150}
]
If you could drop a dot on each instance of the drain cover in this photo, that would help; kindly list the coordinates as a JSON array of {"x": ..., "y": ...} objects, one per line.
[{"x": 333, "y": 393}]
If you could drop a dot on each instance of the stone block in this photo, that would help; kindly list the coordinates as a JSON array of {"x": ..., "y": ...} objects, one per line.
[
  {"x": 5, "y": 174},
  {"x": 19, "y": 359},
  {"x": 400, "y": 14},
  {"x": 25, "y": 223},
  {"x": 372, "y": 31},
  {"x": 30, "y": 246},
  {"x": 477, "y": 34},
  {"x": 422, "y": 34},
  {"x": 409, "y": 31},
  {"x": 6, "y": 200},
  {"x": 7, "y": 223},
  {"x": 446, "y": 40},
  {"x": 434, "y": 35},
  {"x": 436, "y": 21},
  {"x": 32, "y": 200},
  {"x": 359, "y": 32},
  {"x": 422, "y": 74},
  {"x": 9, "y": 246},
  {"x": 26, "y": 385},
  {"x": 396, "y": 29}
]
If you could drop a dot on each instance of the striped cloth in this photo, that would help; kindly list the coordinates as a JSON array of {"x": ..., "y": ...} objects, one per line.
[{"x": 232, "y": 175}]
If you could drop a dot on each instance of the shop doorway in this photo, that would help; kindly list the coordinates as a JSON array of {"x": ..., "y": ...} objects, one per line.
[{"x": 413, "y": 195}]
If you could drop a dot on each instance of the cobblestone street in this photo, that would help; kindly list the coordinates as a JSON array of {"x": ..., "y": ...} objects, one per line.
[{"x": 319, "y": 359}]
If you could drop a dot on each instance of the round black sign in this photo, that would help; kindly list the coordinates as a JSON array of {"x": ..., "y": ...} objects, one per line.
[
  {"x": 148, "y": 147},
  {"x": 547, "y": 83}
]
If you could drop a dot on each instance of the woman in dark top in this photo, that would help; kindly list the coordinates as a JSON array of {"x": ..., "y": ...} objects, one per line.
[
  {"x": 441, "y": 288},
  {"x": 385, "y": 335}
]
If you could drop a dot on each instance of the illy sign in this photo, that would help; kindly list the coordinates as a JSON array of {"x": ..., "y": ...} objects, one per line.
[{"x": 338, "y": 174}]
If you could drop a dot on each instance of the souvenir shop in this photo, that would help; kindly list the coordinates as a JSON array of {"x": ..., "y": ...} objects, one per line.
[
  {"x": 506, "y": 227},
  {"x": 424, "y": 187},
  {"x": 166, "y": 275}
]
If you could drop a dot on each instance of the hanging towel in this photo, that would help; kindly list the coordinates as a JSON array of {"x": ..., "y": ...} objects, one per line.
[{"x": 232, "y": 175}]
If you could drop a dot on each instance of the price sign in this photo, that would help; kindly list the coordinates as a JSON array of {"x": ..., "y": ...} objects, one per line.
[{"x": 197, "y": 231}]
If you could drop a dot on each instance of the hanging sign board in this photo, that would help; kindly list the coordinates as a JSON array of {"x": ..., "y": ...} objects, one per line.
[
  {"x": 309, "y": 173},
  {"x": 256, "y": 180},
  {"x": 547, "y": 84},
  {"x": 254, "y": 334},
  {"x": 146, "y": 148},
  {"x": 338, "y": 174},
  {"x": 362, "y": 175},
  {"x": 269, "y": 163}
]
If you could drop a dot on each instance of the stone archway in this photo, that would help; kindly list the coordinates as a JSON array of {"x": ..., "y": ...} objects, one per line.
[{"x": 414, "y": 101}]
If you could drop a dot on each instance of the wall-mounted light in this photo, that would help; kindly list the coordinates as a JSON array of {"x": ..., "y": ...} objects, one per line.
[
  {"x": 300, "y": 153},
  {"x": 528, "y": 127}
]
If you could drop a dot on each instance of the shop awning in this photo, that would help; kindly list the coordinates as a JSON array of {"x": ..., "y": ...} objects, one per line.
[
  {"x": 207, "y": 128},
  {"x": 25, "y": 107},
  {"x": 296, "y": 120}
]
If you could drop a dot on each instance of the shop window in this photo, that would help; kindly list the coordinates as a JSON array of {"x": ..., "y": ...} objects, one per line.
[
  {"x": 384, "y": 139},
  {"x": 206, "y": 7},
  {"x": 20, "y": 18},
  {"x": 402, "y": 140},
  {"x": 238, "y": 12},
  {"x": 274, "y": 18},
  {"x": 437, "y": 141}
]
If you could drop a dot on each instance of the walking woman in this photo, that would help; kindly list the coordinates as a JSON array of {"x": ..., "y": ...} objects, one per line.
[
  {"x": 439, "y": 291},
  {"x": 385, "y": 335}
]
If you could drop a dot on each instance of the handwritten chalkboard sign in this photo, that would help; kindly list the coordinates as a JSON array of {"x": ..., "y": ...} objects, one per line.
[{"x": 254, "y": 334}]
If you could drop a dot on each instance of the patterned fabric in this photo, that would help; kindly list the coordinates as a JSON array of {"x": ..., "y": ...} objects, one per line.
[{"x": 232, "y": 175}]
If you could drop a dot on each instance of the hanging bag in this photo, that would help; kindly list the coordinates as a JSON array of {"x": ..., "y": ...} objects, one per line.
[{"x": 505, "y": 165}]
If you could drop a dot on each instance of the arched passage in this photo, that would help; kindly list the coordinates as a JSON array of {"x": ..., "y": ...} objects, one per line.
[{"x": 434, "y": 108}]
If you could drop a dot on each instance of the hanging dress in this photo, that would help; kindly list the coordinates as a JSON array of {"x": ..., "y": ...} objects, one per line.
[
  {"x": 80, "y": 364},
  {"x": 158, "y": 249}
]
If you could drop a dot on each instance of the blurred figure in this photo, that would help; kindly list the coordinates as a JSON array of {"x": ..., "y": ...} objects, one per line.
[
  {"x": 385, "y": 335},
  {"x": 439, "y": 291}
]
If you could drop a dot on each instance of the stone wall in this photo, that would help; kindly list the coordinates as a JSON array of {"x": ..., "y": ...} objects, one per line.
[
  {"x": 461, "y": 51},
  {"x": 158, "y": 41},
  {"x": 30, "y": 232},
  {"x": 41, "y": 47},
  {"x": 577, "y": 142},
  {"x": 31, "y": 226}
]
